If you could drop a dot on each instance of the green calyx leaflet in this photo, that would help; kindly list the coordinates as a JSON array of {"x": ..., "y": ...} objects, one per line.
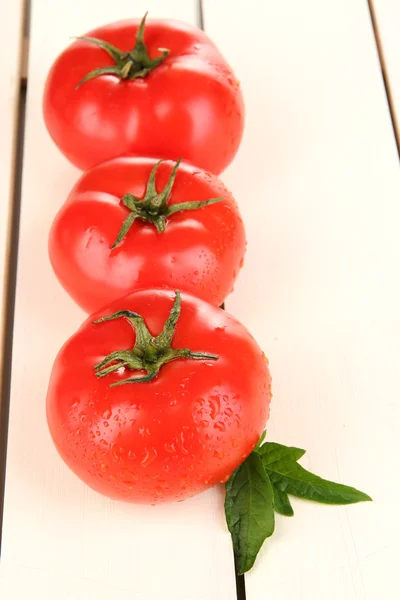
[
  {"x": 128, "y": 65},
  {"x": 149, "y": 353},
  {"x": 154, "y": 207}
]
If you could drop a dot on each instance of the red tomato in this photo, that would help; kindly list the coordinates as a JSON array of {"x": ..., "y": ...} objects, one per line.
[
  {"x": 187, "y": 427},
  {"x": 200, "y": 251},
  {"x": 182, "y": 103}
]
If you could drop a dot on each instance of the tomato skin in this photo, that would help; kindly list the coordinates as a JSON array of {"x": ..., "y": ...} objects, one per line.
[
  {"x": 200, "y": 251},
  {"x": 173, "y": 437},
  {"x": 190, "y": 106}
]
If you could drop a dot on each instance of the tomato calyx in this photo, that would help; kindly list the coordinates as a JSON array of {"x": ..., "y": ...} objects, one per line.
[
  {"x": 154, "y": 207},
  {"x": 128, "y": 65},
  {"x": 149, "y": 353}
]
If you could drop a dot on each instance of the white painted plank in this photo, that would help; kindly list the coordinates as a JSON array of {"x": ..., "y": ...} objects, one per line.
[
  {"x": 318, "y": 182},
  {"x": 61, "y": 540},
  {"x": 10, "y": 47},
  {"x": 387, "y": 19}
]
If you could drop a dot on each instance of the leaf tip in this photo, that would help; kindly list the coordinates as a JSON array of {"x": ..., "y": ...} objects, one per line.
[{"x": 365, "y": 497}]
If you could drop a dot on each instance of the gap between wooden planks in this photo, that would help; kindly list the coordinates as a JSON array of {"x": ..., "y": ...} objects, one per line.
[
  {"x": 60, "y": 539},
  {"x": 318, "y": 183},
  {"x": 386, "y": 20},
  {"x": 11, "y": 33},
  {"x": 11, "y": 29}
]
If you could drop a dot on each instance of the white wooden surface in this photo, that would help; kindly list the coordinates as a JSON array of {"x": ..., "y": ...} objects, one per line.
[
  {"x": 60, "y": 539},
  {"x": 10, "y": 46},
  {"x": 318, "y": 182},
  {"x": 387, "y": 17}
]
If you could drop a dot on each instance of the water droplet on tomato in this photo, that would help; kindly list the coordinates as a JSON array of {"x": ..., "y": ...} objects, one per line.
[
  {"x": 220, "y": 426},
  {"x": 219, "y": 454},
  {"x": 104, "y": 467},
  {"x": 116, "y": 453},
  {"x": 182, "y": 442},
  {"x": 150, "y": 454},
  {"x": 107, "y": 414},
  {"x": 215, "y": 406},
  {"x": 128, "y": 484}
]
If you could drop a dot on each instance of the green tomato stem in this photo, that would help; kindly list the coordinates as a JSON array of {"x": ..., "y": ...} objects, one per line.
[
  {"x": 153, "y": 207},
  {"x": 128, "y": 65},
  {"x": 149, "y": 353}
]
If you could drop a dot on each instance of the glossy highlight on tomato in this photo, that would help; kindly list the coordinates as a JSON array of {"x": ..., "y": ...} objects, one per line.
[
  {"x": 200, "y": 251},
  {"x": 188, "y": 105},
  {"x": 176, "y": 435}
]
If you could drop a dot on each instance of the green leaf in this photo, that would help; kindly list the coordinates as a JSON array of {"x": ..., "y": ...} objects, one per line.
[
  {"x": 272, "y": 451},
  {"x": 284, "y": 473},
  {"x": 260, "y": 441},
  {"x": 249, "y": 510},
  {"x": 282, "y": 503}
]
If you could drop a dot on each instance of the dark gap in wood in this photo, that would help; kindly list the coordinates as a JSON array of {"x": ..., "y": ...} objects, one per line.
[
  {"x": 27, "y": 18},
  {"x": 10, "y": 299},
  {"x": 240, "y": 585},
  {"x": 200, "y": 14},
  {"x": 385, "y": 76},
  {"x": 25, "y": 41}
]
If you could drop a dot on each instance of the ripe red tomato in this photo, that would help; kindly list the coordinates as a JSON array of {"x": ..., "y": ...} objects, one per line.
[
  {"x": 187, "y": 425},
  {"x": 181, "y": 102},
  {"x": 200, "y": 251}
]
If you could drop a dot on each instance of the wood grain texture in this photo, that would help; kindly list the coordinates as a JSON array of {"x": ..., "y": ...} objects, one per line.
[
  {"x": 60, "y": 539},
  {"x": 386, "y": 14},
  {"x": 318, "y": 183},
  {"x": 10, "y": 51}
]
